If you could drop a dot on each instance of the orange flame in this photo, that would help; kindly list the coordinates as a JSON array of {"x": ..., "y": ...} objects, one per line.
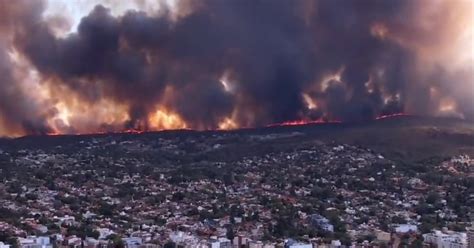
[{"x": 304, "y": 122}]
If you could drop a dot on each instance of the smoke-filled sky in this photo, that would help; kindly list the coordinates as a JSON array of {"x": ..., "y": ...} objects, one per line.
[{"x": 85, "y": 66}]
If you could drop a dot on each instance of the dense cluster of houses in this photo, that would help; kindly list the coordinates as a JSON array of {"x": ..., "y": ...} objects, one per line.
[{"x": 211, "y": 191}]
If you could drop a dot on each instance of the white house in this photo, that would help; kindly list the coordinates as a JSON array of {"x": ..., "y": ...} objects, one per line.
[
  {"x": 3, "y": 245},
  {"x": 132, "y": 242},
  {"x": 290, "y": 243},
  {"x": 446, "y": 239},
  {"x": 405, "y": 228},
  {"x": 35, "y": 242}
]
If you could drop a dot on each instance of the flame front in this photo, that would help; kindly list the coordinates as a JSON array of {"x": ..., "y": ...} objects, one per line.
[{"x": 163, "y": 119}]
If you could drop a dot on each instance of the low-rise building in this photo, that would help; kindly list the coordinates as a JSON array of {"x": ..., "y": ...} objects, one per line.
[
  {"x": 3, "y": 245},
  {"x": 446, "y": 239},
  {"x": 321, "y": 222},
  {"x": 405, "y": 228}
]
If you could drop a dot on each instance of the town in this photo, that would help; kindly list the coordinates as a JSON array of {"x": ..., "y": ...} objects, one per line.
[{"x": 227, "y": 189}]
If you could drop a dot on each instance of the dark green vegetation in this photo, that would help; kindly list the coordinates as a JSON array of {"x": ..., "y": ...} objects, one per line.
[{"x": 405, "y": 139}]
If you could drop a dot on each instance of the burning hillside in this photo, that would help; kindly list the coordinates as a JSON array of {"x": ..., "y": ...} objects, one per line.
[{"x": 114, "y": 66}]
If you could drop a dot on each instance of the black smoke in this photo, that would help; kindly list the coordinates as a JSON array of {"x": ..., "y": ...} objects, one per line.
[{"x": 271, "y": 51}]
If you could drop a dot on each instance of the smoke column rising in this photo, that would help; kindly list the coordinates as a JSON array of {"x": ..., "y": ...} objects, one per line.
[{"x": 227, "y": 64}]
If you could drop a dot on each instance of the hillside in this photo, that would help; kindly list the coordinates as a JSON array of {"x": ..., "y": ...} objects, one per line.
[{"x": 401, "y": 138}]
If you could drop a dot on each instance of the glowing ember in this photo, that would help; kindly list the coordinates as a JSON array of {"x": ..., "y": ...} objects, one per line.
[
  {"x": 304, "y": 122},
  {"x": 324, "y": 121},
  {"x": 390, "y": 116}
]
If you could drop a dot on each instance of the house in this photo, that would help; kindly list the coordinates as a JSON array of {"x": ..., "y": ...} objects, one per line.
[
  {"x": 255, "y": 244},
  {"x": 73, "y": 241},
  {"x": 321, "y": 222},
  {"x": 3, "y": 245},
  {"x": 132, "y": 242},
  {"x": 40, "y": 228},
  {"x": 290, "y": 243},
  {"x": 446, "y": 239},
  {"x": 382, "y": 236},
  {"x": 220, "y": 243},
  {"x": 470, "y": 236},
  {"x": 104, "y": 233},
  {"x": 35, "y": 242},
  {"x": 91, "y": 243},
  {"x": 405, "y": 228},
  {"x": 66, "y": 220},
  {"x": 240, "y": 240},
  {"x": 335, "y": 243},
  {"x": 32, "y": 242}
]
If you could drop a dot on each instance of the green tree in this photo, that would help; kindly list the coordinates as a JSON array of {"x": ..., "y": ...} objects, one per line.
[{"x": 169, "y": 244}]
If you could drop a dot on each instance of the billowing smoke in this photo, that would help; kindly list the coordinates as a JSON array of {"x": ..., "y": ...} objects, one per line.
[{"x": 224, "y": 64}]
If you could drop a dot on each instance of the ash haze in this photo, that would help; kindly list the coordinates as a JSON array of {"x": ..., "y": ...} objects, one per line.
[{"x": 94, "y": 66}]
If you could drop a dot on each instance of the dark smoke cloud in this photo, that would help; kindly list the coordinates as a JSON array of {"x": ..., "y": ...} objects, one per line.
[
  {"x": 18, "y": 112},
  {"x": 270, "y": 51}
]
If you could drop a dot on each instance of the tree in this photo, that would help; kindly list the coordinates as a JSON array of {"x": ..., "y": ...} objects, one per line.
[
  {"x": 170, "y": 244},
  {"x": 92, "y": 233},
  {"x": 178, "y": 196},
  {"x": 432, "y": 198},
  {"x": 418, "y": 242},
  {"x": 106, "y": 209},
  {"x": 115, "y": 241},
  {"x": 230, "y": 233}
]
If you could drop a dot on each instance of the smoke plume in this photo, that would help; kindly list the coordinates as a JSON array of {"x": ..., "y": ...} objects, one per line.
[{"x": 226, "y": 64}]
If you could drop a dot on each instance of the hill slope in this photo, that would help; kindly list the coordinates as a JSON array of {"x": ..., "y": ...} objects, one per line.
[{"x": 403, "y": 138}]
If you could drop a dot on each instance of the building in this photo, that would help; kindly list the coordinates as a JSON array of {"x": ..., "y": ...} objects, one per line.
[
  {"x": 40, "y": 228},
  {"x": 383, "y": 236},
  {"x": 405, "y": 228},
  {"x": 447, "y": 239},
  {"x": 91, "y": 243},
  {"x": 335, "y": 243},
  {"x": 255, "y": 244},
  {"x": 73, "y": 241},
  {"x": 220, "y": 243},
  {"x": 290, "y": 243},
  {"x": 132, "y": 242},
  {"x": 65, "y": 220},
  {"x": 240, "y": 241},
  {"x": 470, "y": 237},
  {"x": 301, "y": 245},
  {"x": 321, "y": 222},
  {"x": 3, "y": 245},
  {"x": 35, "y": 242},
  {"x": 104, "y": 233}
]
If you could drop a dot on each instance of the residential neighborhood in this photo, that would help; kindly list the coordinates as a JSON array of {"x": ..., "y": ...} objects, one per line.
[{"x": 208, "y": 190}]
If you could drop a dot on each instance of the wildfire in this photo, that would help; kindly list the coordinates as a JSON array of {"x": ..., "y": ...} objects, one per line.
[
  {"x": 381, "y": 117},
  {"x": 228, "y": 124},
  {"x": 305, "y": 122},
  {"x": 165, "y": 119},
  {"x": 126, "y": 131},
  {"x": 325, "y": 121},
  {"x": 175, "y": 123}
]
